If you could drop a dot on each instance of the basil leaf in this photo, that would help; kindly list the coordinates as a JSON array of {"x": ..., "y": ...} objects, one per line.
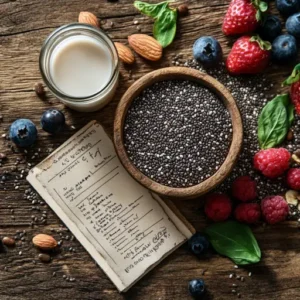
[
  {"x": 234, "y": 240},
  {"x": 164, "y": 29},
  {"x": 165, "y": 26},
  {"x": 274, "y": 121},
  {"x": 151, "y": 10},
  {"x": 291, "y": 115}
]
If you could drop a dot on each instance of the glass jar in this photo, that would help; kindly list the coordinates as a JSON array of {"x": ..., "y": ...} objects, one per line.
[{"x": 55, "y": 39}]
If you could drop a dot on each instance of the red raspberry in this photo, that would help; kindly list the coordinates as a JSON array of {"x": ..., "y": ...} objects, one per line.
[
  {"x": 218, "y": 207},
  {"x": 274, "y": 209},
  {"x": 272, "y": 162},
  {"x": 244, "y": 189},
  {"x": 248, "y": 213},
  {"x": 293, "y": 179}
]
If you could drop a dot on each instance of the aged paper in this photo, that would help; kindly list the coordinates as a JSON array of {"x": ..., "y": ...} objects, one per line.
[{"x": 124, "y": 227}]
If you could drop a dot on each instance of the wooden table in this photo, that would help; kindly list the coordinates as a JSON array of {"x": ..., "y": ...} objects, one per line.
[{"x": 23, "y": 27}]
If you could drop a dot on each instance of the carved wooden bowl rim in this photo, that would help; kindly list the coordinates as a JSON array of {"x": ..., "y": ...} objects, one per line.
[{"x": 186, "y": 74}]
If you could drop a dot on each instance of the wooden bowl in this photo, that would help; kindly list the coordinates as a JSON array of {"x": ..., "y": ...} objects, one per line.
[{"x": 205, "y": 80}]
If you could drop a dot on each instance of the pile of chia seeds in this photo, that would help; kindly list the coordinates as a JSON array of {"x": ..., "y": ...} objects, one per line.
[
  {"x": 251, "y": 94},
  {"x": 177, "y": 132}
]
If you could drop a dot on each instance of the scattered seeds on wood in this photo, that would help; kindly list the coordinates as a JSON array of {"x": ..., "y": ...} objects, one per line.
[
  {"x": 7, "y": 241},
  {"x": 2, "y": 155},
  {"x": 290, "y": 135},
  {"x": 44, "y": 257},
  {"x": 39, "y": 89}
]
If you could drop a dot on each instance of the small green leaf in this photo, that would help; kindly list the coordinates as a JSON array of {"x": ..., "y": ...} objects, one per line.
[
  {"x": 165, "y": 26},
  {"x": 274, "y": 121},
  {"x": 258, "y": 15},
  {"x": 151, "y": 10},
  {"x": 263, "y": 6},
  {"x": 264, "y": 45},
  {"x": 234, "y": 240},
  {"x": 164, "y": 29},
  {"x": 294, "y": 77}
]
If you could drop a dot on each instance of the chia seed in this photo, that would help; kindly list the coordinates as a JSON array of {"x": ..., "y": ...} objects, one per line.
[
  {"x": 251, "y": 94},
  {"x": 177, "y": 133}
]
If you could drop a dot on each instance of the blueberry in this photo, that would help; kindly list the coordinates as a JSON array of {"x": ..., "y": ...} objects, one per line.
[
  {"x": 284, "y": 48},
  {"x": 270, "y": 28},
  {"x": 23, "y": 132},
  {"x": 197, "y": 288},
  {"x": 293, "y": 25},
  {"x": 287, "y": 7},
  {"x": 198, "y": 244},
  {"x": 207, "y": 50},
  {"x": 52, "y": 120}
]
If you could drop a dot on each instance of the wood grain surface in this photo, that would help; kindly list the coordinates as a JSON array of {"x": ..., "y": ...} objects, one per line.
[{"x": 24, "y": 24}]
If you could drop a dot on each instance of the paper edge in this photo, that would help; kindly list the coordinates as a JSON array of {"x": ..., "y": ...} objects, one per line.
[{"x": 183, "y": 226}]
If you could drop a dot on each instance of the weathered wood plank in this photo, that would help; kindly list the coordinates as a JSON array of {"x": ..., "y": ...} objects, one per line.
[{"x": 23, "y": 27}]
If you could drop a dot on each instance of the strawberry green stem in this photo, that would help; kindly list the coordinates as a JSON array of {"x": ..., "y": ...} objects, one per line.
[
  {"x": 294, "y": 77},
  {"x": 261, "y": 7},
  {"x": 264, "y": 45}
]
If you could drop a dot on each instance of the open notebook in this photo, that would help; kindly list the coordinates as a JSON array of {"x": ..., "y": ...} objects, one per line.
[{"x": 124, "y": 227}]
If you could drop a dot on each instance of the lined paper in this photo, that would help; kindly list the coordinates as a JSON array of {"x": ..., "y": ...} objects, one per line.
[{"x": 124, "y": 227}]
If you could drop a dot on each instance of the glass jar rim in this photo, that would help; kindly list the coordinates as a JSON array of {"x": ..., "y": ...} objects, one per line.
[{"x": 52, "y": 38}]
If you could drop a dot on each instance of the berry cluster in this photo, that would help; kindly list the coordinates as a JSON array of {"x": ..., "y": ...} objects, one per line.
[
  {"x": 23, "y": 132},
  {"x": 245, "y": 16},
  {"x": 251, "y": 54},
  {"x": 274, "y": 162},
  {"x": 219, "y": 207}
]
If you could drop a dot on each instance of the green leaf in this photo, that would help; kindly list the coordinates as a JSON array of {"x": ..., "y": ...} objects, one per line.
[
  {"x": 291, "y": 114},
  {"x": 264, "y": 45},
  {"x": 234, "y": 240},
  {"x": 263, "y": 6},
  {"x": 294, "y": 77},
  {"x": 274, "y": 121},
  {"x": 165, "y": 26},
  {"x": 151, "y": 10},
  {"x": 258, "y": 15},
  {"x": 164, "y": 29}
]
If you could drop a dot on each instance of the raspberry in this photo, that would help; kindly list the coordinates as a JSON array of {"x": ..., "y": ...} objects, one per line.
[
  {"x": 244, "y": 189},
  {"x": 248, "y": 213},
  {"x": 272, "y": 162},
  {"x": 218, "y": 207},
  {"x": 274, "y": 209},
  {"x": 293, "y": 179}
]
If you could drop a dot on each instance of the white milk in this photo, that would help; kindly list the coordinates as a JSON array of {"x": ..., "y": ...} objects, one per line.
[{"x": 80, "y": 66}]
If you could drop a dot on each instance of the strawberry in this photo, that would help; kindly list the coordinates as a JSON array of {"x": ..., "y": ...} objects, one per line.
[
  {"x": 243, "y": 16},
  {"x": 249, "y": 55},
  {"x": 294, "y": 81}
]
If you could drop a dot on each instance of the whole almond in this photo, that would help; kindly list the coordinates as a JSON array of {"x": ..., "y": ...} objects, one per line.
[
  {"x": 146, "y": 46},
  {"x": 125, "y": 54},
  {"x": 88, "y": 18},
  {"x": 44, "y": 241},
  {"x": 7, "y": 241}
]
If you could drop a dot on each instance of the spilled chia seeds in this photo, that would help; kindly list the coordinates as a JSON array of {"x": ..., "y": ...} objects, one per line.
[
  {"x": 251, "y": 94},
  {"x": 174, "y": 130}
]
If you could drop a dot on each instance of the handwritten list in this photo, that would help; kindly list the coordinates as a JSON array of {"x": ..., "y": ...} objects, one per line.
[{"x": 124, "y": 227}]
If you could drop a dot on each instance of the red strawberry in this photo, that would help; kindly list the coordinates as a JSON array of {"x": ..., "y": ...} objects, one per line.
[
  {"x": 249, "y": 55},
  {"x": 243, "y": 16},
  {"x": 294, "y": 82}
]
